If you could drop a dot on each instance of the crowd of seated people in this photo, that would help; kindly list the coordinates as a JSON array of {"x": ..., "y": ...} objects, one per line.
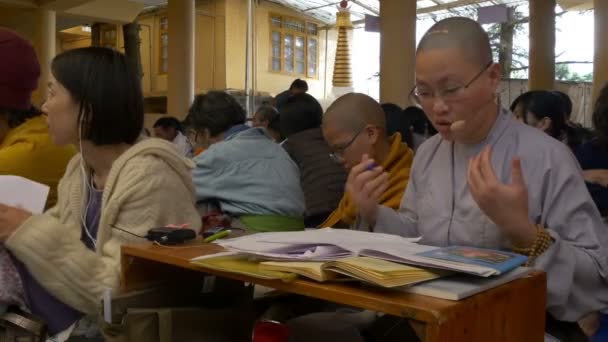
[
  {"x": 442, "y": 170},
  {"x": 549, "y": 112}
]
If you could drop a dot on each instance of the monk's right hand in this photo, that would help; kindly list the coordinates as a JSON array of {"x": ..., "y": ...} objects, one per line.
[{"x": 365, "y": 185}]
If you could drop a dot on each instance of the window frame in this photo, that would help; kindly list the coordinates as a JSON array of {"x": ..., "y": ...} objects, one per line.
[
  {"x": 295, "y": 34},
  {"x": 103, "y": 29},
  {"x": 162, "y": 31}
]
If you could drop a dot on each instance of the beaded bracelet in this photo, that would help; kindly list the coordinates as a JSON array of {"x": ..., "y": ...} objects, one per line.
[{"x": 542, "y": 242}]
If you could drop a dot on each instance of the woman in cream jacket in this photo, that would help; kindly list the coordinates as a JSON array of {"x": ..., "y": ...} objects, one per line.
[{"x": 115, "y": 187}]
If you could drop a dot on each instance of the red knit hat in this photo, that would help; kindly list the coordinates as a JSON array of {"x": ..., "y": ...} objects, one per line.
[{"x": 19, "y": 71}]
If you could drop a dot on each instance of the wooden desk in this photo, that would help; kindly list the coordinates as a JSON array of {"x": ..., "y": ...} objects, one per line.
[{"x": 512, "y": 312}]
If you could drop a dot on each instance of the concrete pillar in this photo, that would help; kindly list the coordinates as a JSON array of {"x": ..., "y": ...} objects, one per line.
[
  {"x": 96, "y": 34},
  {"x": 45, "y": 42},
  {"x": 397, "y": 50},
  {"x": 180, "y": 74},
  {"x": 133, "y": 46},
  {"x": 600, "y": 60},
  {"x": 541, "y": 74}
]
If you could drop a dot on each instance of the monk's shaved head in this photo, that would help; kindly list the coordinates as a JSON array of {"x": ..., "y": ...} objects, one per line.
[
  {"x": 459, "y": 33},
  {"x": 355, "y": 110}
]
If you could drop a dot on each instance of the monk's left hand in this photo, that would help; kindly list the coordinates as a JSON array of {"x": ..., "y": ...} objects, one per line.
[
  {"x": 11, "y": 218},
  {"x": 505, "y": 204}
]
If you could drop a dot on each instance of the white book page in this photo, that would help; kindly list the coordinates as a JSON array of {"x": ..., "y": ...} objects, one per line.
[
  {"x": 23, "y": 193},
  {"x": 330, "y": 244},
  {"x": 351, "y": 240},
  {"x": 321, "y": 244}
]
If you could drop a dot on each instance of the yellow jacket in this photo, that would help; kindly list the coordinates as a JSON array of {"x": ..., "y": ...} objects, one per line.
[{"x": 28, "y": 151}]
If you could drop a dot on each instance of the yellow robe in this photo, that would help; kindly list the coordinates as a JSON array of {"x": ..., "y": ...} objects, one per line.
[{"x": 397, "y": 164}]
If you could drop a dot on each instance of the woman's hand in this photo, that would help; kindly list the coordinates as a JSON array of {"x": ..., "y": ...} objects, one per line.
[
  {"x": 596, "y": 176},
  {"x": 11, "y": 218}
]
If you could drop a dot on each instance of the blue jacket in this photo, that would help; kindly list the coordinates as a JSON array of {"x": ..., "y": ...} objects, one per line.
[{"x": 249, "y": 174}]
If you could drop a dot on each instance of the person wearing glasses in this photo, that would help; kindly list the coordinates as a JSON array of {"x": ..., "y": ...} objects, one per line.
[
  {"x": 355, "y": 126},
  {"x": 488, "y": 180}
]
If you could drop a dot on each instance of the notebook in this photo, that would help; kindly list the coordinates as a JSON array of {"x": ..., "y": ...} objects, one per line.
[
  {"x": 375, "y": 271},
  {"x": 500, "y": 260},
  {"x": 460, "y": 286},
  {"x": 331, "y": 244}
]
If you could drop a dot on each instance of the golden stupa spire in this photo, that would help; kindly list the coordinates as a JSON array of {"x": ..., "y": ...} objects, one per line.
[{"x": 342, "y": 69}]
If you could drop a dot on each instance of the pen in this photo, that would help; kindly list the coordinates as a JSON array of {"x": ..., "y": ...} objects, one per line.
[
  {"x": 218, "y": 235},
  {"x": 371, "y": 166}
]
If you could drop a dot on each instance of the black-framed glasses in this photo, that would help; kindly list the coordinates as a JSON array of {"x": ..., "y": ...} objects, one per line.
[
  {"x": 424, "y": 97},
  {"x": 338, "y": 154}
]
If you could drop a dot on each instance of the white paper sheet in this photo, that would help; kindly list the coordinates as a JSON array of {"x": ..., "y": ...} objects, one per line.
[{"x": 23, "y": 193}]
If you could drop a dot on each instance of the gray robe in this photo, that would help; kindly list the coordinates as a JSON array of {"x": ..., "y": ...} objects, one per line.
[{"x": 438, "y": 206}]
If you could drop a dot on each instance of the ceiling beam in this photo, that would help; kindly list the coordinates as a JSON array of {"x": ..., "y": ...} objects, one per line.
[
  {"x": 447, "y": 6},
  {"x": 366, "y": 7},
  {"x": 322, "y": 6},
  {"x": 61, "y": 5},
  {"x": 110, "y": 11},
  {"x": 575, "y": 5},
  {"x": 19, "y": 3}
]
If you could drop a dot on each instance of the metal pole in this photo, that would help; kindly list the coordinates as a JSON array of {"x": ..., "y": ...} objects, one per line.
[
  {"x": 247, "y": 47},
  {"x": 318, "y": 71},
  {"x": 254, "y": 67}
]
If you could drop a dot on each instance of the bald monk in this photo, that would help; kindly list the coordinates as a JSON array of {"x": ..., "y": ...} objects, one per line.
[
  {"x": 354, "y": 127},
  {"x": 488, "y": 180}
]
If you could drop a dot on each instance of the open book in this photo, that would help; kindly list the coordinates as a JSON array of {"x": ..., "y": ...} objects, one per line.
[
  {"x": 331, "y": 244},
  {"x": 375, "y": 271}
]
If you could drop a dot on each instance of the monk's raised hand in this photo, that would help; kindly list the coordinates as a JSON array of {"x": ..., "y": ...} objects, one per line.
[
  {"x": 505, "y": 204},
  {"x": 365, "y": 185}
]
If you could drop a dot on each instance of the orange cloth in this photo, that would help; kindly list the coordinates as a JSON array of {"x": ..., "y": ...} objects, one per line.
[{"x": 398, "y": 165}]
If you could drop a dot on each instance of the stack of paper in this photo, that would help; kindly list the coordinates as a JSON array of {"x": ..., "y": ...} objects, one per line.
[
  {"x": 332, "y": 244},
  {"x": 375, "y": 271},
  {"x": 310, "y": 269}
]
